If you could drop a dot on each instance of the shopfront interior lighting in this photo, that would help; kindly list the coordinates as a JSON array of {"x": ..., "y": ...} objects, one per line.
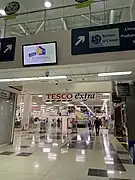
[
  {"x": 115, "y": 73},
  {"x": 106, "y": 94},
  {"x": 65, "y": 102},
  {"x": 40, "y": 95},
  {"x": 106, "y": 100},
  {"x": 33, "y": 79},
  {"x": 47, "y": 4},
  {"x": 34, "y": 103},
  {"x": 81, "y": 102},
  {"x": 48, "y": 102}
]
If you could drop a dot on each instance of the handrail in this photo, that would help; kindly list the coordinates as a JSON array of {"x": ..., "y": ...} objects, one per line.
[
  {"x": 66, "y": 16},
  {"x": 54, "y": 8}
]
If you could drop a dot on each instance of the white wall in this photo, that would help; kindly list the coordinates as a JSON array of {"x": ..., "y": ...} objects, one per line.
[{"x": 72, "y": 87}]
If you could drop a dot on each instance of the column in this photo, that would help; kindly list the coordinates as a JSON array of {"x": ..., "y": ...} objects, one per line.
[
  {"x": 130, "y": 115},
  {"x": 118, "y": 121},
  {"x": 26, "y": 111}
]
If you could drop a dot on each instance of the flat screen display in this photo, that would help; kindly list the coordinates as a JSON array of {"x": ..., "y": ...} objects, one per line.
[{"x": 40, "y": 54}]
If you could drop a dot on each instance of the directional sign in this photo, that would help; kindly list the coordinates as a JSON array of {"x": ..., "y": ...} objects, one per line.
[
  {"x": 107, "y": 38},
  {"x": 7, "y": 49}
]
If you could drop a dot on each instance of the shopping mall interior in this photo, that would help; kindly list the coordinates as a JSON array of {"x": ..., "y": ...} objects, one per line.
[
  {"x": 54, "y": 135},
  {"x": 67, "y": 90}
]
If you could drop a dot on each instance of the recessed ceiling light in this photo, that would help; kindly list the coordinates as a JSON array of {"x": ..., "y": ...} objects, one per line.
[
  {"x": 33, "y": 78},
  {"x": 2, "y": 12},
  {"x": 105, "y": 99},
  {"x": 106, "y": 94},
  {"x": 47, "y": 4},
  {"x": 40, "y": 95},
  {"x": 115, "y": 73},
  {"x": 48, "y": 102}
]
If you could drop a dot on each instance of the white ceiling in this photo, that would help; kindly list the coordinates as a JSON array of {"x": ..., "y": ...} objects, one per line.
[
  {"x": 83, "y": 73},
  {"x": 73, "y": 18}
]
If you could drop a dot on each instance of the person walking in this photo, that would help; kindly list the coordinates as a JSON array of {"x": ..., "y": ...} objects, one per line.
[
  {"x": 97, "y": 124},
  {"x": 89, "y": 125}
]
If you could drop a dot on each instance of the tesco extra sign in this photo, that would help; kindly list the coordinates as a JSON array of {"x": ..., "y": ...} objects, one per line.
[{"x": 70, "y": 96}]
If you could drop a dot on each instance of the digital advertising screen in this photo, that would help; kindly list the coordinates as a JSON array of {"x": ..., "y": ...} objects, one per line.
[{"x": 39, "y": 54}]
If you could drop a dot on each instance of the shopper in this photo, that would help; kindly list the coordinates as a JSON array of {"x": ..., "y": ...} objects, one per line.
[
  {"x": 89, "y": 125},
  {"x": 97, "y": 124},
  {"x": 58, "y": 122}
]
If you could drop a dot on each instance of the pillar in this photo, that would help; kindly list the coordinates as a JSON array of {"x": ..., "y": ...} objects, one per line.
[
  {"x": 26, "y": 111},
  {"x": 130, "y": 115},
  {"x": 118, "y": 121}
]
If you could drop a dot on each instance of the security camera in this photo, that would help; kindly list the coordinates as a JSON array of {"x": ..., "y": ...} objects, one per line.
[
  {"x": 56, "y": 83},
  {"x": 47, "y": 73}
]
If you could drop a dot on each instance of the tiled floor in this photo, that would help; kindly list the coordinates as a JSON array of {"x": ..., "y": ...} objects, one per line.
[{"x": 58, "y": 156}]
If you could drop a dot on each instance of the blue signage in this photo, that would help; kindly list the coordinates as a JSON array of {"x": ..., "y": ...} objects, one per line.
[
  {"x": 107, "y": 38},
  {"x": 7, "y": 49}
]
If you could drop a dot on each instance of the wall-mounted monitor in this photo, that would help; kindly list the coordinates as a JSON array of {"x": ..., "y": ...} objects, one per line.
[{"x": 40, "y": 54}]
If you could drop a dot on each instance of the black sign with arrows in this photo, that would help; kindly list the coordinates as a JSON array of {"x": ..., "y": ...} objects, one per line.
[{"x": 7, "y": 49}]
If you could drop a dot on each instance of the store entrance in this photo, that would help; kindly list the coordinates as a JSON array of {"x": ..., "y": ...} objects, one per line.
[{"x": 63, "y": 112}]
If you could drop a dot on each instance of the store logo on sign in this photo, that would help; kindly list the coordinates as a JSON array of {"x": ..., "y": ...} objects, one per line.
[
  {"x": 69, "y": 96},
  {"x": 59, "y": 96},
  {"x": 96, "y": 39},
  {"x": 84, "y": 96},
  {"x": 104, "y": 38},
  {"x": 39, "y": 51}
]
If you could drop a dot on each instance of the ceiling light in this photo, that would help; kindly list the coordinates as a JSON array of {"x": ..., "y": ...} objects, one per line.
[
  {"x": 65, "y": 102},
  {"x": 2, "y": 12},
  {"x": 81, "y": 102},
  {"x": 105, "y": 99},
  {"x": 33, "y": 79},
  {"x": 106, "y": 94},
  {"x": 34, "y": 103},
  {"x": 48, "y": 102},
  {"x": 47, "y": 4},
  {"x": 40, "y": 95},
  {"x": 115, "y": 73}
]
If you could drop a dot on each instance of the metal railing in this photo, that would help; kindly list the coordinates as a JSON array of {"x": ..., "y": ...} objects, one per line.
[{"x": 63, "y": 17}]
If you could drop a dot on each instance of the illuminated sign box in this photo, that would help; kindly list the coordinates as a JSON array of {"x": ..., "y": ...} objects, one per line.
[{"x": 40, "y": 54}]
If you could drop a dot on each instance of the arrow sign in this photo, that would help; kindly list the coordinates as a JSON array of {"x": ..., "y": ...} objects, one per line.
[
  {"x": 8, "y": 48},
  {"x": 81, "y": 39}
]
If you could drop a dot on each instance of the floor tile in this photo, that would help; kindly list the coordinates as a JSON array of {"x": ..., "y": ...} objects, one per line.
[
  {"x": 125, "y": 146},
  {"x": 50, "y": 161},
  {"x": 24, "y": 146},
  {"x": 122, "y": 152},
  {"x": 126, "y": 161},
  {"x": 7, "y": 153},
  {"x": 78, "y": 145},
  {"x": 118, "y": 179},
  {"x": 97, "y": 172},
  {"x": 18, "y": 176},
  {"x": 116, "y": 167},
  {"x": 24, "y": 154}
]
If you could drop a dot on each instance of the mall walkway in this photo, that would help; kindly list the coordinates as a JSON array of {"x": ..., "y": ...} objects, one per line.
[{"x": 57, "y": 156}]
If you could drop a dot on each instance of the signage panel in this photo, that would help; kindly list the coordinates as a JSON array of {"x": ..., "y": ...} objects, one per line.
[
  {"x": 71, "y": 96},
  {"x": 39, "y": 54},
  {"x": 7, "y": 49},
  {"x": 4, "y": 94},
  {"x": 107, "y": 38},
  {"x": 123, "y": 89}
]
